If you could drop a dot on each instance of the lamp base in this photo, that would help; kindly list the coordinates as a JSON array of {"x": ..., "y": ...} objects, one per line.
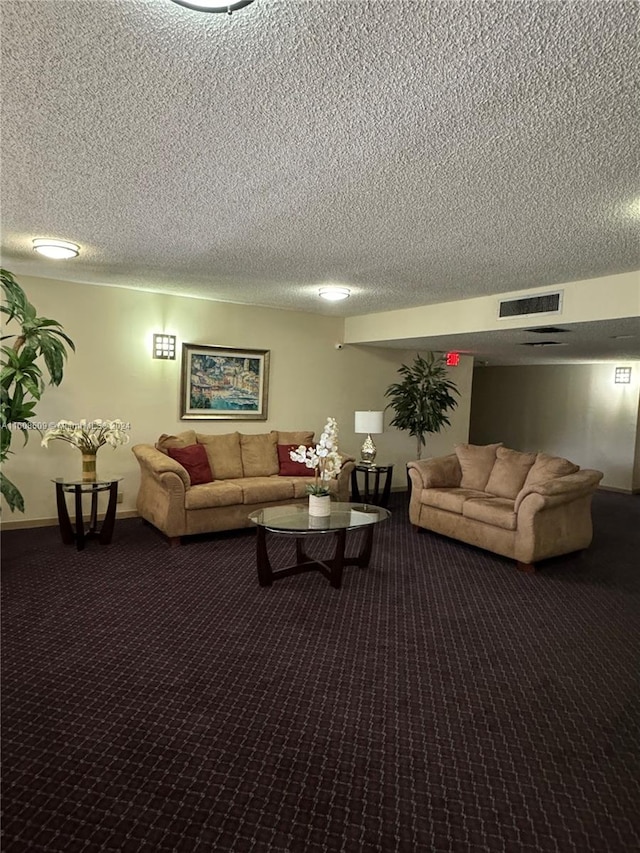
[{"x": 368, "y": 452}]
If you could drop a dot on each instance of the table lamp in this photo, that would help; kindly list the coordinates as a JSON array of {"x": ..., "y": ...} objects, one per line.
[{"x": 371, "y": 423}]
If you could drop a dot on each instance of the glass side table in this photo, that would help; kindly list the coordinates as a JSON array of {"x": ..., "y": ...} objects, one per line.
[
  {"x": 78, "y": 488},
  {"x": 372, "y": 475}
]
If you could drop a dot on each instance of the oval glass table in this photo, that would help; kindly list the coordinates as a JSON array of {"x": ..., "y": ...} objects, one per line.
[{"x": 295, "y": 521}]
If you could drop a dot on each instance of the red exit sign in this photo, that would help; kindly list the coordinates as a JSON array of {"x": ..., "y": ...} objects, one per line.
[{"x": 453, "y": 359}]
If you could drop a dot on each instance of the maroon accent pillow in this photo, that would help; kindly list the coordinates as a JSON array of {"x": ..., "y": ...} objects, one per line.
[
  {"x": 195, "y": 461},
  {"x": 289, "y": 468}
]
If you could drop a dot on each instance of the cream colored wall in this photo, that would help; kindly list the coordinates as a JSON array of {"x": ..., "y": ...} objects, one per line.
[
  {"x": 113, "y": 375},
  {"x": 589, "y": 299},
  {"x": 574, "y": 411}
]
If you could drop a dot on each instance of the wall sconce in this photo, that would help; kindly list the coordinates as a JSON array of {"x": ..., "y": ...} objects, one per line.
[
  {"x": 369, "y": 423},
  {"x": 623, "y": 376},
  {"x": 164, "y": 346}
]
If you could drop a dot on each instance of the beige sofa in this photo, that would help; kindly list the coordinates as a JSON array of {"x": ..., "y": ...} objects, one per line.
[
  {"x": 246, "y": 476},
  {"x": 526, "y": 506}
]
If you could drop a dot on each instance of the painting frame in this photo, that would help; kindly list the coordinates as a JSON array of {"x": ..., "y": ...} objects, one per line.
[{"x": 224, "y": 383}]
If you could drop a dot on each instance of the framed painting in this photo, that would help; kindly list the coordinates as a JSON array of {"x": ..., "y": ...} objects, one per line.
[{"x": 224, "y": 384}]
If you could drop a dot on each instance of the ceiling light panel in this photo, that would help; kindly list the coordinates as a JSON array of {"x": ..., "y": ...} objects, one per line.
[
  {"x": 334, "y": 293},
  {"x": 57, "y": 250}
]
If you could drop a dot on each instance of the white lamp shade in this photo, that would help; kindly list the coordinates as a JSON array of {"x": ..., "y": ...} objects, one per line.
[{"x": 371, "y": 423}]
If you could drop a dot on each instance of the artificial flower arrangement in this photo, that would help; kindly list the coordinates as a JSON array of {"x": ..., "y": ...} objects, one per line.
[
  {"x": 88, "y": 436},
  {"x": 324, "y": 458}
]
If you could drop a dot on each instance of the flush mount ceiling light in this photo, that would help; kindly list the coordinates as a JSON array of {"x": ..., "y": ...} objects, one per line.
[
  {"x": 334, "y": 294},
  {"x": 212, "y": 6},
  {"x": 58, "y": 250}
]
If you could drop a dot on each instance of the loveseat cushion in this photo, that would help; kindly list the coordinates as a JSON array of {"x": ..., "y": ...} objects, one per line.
[
  {"x": 497, "y": 512},
  {"x": 451, "y": 500},
  {"x": 259, "y": 454},
  {"x": 476, "y": 462},
  {"x": 195, "y": 461},
  {"x": 296, "y": 437},
  {"x": 509, "y": 472},
  {"x": 547, "y": 467},
  {"x": 182, "y": 439},
  {"x": 224, "y": 454}
]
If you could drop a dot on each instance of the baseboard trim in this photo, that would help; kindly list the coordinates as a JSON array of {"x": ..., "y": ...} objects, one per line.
[
  {"x": 53, "y": 522},
  {"x": 619, "y": 491}
]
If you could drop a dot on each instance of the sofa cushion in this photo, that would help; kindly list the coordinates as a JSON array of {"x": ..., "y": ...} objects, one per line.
[
  {"x": 182, "y": 439},
  {"x": 261, "y": 490},
  {"x": 195, "y": 461},
  {"x": 297, "y": 437},
  {"x": 289, "y": 468},
  {"x": 548, "y": 467},
  {"x": 224, "y": 454},
  {"x": 497, "y": 512},
  {"x": 220, "y": 493},
  {"x": 300, "y": 485},
  {"x": 452, "y": 500},
  {"x": 476, "y": 462},
  {"x": 259, "y": 455},
  {"x": 509, "y": 472}
]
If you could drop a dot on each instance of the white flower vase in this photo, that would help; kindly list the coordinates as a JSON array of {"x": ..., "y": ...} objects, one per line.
[{"x": 319, "y": 505}]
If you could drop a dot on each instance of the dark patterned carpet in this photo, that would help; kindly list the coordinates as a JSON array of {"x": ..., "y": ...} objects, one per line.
[{"x": 160, "y": 700}]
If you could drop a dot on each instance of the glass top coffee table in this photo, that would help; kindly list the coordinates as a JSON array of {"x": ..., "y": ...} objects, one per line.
[{"x": 295, "y": 521}]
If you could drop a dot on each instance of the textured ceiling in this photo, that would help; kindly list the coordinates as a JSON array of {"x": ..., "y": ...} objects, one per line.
[{"x": 418, "y": 151}]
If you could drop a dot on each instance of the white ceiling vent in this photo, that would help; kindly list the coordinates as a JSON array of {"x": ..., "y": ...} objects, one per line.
[{"x": 543, "y": 303}]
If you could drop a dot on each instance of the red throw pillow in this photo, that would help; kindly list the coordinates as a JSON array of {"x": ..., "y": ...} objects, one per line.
[
  {"x": 289, "y": 468},
  {"x": 195, "y": 461}
]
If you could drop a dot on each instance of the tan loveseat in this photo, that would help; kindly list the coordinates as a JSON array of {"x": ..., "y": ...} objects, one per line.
[
  {"x": 246, "y": 476},
  {"x": 526, "y": 506}
]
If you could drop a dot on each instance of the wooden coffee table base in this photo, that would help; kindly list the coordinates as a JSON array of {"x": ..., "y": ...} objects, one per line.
[{"x": 331, "y": 569}]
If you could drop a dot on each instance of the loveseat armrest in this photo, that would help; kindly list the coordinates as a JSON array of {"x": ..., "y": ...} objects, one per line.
[
  {"x": 436, "y": 473},
  {"x": 155, "y": 464},
  {"x": 560, "y": 490}
]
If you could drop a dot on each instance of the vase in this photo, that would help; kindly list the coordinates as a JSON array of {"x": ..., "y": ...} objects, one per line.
[
  {"x": 319, "y": 505},
  {"x": 89, "y": 467}
]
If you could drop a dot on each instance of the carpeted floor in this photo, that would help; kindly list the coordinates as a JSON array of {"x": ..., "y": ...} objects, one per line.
[{"x": 158, "y": 699}]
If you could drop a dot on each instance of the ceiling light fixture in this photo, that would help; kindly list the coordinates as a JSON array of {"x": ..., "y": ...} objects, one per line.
[
  {"x": 211, "y": 6},
  {"x": 58, "y": 250},
  {"x": 334, "y": 294}
]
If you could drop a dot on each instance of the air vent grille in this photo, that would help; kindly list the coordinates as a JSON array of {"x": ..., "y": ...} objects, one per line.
[
  {"x": 544, "y": 303},
  {"x": 543, "y": 344}
]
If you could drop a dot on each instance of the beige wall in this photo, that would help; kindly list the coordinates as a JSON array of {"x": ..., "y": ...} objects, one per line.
[
  {"x": 589, "y": 299},
  {"x": 113, "y": 375},
  {"x": 574, "y": 411}
]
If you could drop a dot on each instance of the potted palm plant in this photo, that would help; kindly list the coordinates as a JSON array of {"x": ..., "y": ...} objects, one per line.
[
  {"x": 423, "y": 398},
  {"x": 21, "y": 378}
]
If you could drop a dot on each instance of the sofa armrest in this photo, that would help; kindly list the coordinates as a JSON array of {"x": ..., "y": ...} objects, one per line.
[
  {"x": 155, "y": 464},
  {"x": 561, "y": 490},
  {"x": 435, "y": 473},
  {"x": 343, "y": 485}
]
